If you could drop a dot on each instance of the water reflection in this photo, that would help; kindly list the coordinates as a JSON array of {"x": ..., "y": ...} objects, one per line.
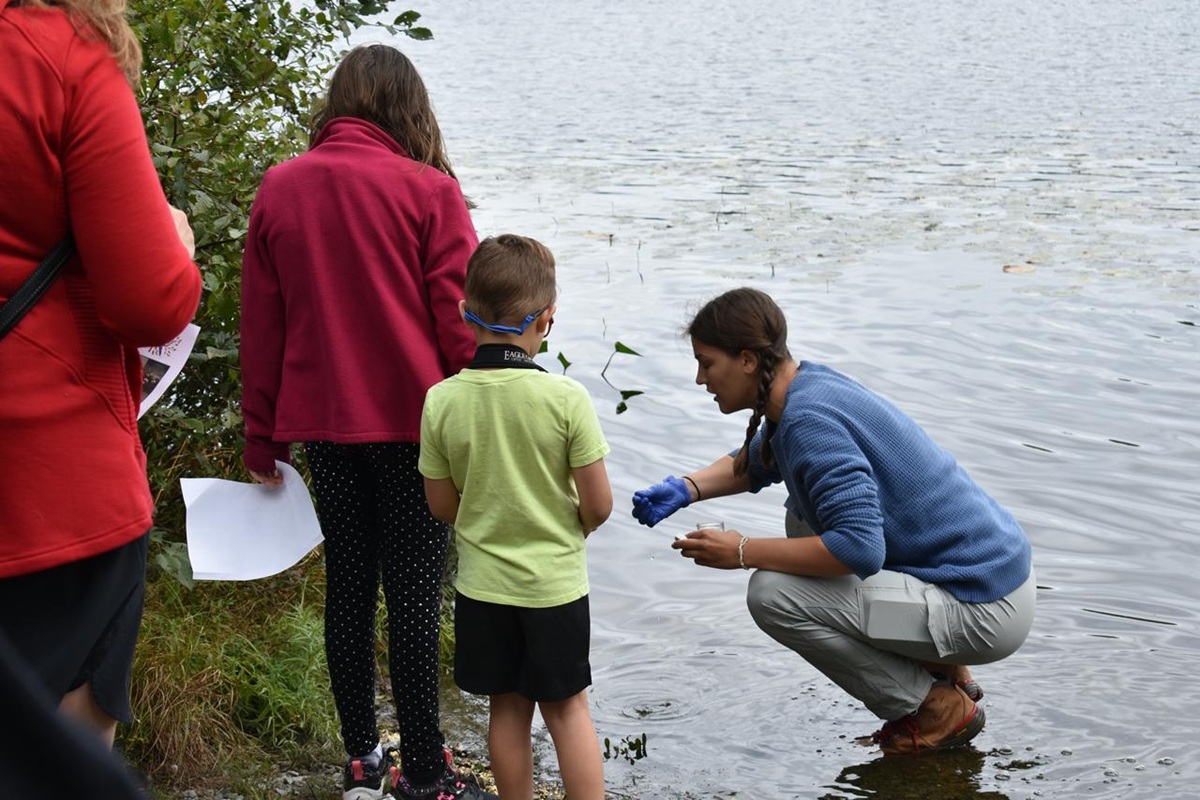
[{"x": 952, "y": 775}]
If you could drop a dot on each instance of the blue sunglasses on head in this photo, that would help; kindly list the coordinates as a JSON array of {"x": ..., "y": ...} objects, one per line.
[{"x": 470, "y": 316}]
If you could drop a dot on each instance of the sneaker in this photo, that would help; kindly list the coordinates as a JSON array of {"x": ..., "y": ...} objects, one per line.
[
  {"x": 364, "y": 778},
  {"x": 947, "y": 718},
  {"x": 451, "y": 786}
]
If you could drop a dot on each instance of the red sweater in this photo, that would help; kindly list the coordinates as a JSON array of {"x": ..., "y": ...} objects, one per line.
[
  {"x": 73, "y": 154},
  {"x": 354, "y": 266}
]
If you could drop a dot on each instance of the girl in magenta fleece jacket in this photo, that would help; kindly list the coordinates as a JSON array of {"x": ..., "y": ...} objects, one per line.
[{"x": 354, "y": 266}]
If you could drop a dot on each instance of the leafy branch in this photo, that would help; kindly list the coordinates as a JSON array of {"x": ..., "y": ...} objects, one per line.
[{"x": 618, "y": 348}]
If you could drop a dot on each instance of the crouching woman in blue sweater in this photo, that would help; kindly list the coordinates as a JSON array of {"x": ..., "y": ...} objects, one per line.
[{"x": 898, "y": 570}]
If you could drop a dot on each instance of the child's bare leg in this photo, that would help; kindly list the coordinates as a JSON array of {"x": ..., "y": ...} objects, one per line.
[
  {"x": 510, "y": 745},
  {"x": 570, "y": 725}
]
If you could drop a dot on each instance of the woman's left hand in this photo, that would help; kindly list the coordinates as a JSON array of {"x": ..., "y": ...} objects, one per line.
[
  {"x": 184, "y": 229},
  {"x": 710, "y": 548}
]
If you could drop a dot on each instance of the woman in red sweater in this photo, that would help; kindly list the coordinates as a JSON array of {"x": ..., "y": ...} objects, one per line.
[
  {"x": 75, "y": 506},
  {"x": 354, "y": 266}
]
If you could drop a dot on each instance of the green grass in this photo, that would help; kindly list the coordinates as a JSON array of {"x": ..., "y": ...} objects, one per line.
[
  {"x": 230, "y": 681},
  {"x": 230, "y": 684}
]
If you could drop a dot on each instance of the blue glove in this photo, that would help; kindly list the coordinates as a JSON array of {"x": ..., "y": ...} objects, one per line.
[{"x": 654, "y": 504}]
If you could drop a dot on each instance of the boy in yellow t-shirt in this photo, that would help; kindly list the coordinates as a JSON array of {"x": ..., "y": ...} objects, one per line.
[{"x": 513, "y": 457}]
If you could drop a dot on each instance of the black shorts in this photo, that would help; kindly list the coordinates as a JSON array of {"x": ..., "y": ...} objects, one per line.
[
  {"x": 538, "y": 653},
  {"x": 78, "y": 623}
]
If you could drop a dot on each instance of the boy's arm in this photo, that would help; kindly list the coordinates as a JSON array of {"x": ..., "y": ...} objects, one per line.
[
  {"x": 442, "y": 497},
  {"x": 595, "y": 494}
]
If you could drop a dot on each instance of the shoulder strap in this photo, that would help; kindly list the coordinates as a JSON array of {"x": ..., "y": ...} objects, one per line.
[{"x": 35, "y": 285}]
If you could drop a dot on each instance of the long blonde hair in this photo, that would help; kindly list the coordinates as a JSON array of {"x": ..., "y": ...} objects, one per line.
[{"x": 102, "y": 20}]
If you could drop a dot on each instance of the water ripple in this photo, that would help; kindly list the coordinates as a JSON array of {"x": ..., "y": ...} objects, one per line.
[{"x": 987, "y": 212}]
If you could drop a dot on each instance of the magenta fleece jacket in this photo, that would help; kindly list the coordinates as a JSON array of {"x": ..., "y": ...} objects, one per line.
[{"x": 354, "y": 265}]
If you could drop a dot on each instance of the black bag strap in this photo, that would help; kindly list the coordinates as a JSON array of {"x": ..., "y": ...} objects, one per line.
[{"x": 35, "y": 285}]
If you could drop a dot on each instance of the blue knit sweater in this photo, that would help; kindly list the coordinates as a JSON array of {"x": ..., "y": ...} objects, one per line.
[{"x": 882, "y": 495}]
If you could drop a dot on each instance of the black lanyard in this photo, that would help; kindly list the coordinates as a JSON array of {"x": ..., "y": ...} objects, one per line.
[{"x": 502, "y": 356}]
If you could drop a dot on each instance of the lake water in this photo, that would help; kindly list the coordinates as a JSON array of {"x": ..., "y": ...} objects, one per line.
[{"x": 988, "y": 212}]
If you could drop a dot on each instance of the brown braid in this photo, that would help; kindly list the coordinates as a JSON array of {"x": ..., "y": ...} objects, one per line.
[
  {"x": 766, "y": 375},
  {"x": 741, "y": 462},
  {"x": 766, "y": 378}
]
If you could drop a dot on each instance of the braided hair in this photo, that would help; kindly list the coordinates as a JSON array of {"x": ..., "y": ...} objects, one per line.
[{"x": 747, "y": 320}]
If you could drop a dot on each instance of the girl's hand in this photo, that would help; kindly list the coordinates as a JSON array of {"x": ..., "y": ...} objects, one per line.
[
  {"x": 710, "y": 548},
  {"x": 269, "y": 479}
]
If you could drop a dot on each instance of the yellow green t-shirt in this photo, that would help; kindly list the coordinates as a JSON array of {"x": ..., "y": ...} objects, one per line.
[{"x": 509, "y": 438}]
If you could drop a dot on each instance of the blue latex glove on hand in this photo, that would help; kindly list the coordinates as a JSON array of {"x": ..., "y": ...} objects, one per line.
[{"x": 654, "y": 504}]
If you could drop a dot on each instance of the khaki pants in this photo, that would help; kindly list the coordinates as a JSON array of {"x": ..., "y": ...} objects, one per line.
[{"x": 869, "y": 636}]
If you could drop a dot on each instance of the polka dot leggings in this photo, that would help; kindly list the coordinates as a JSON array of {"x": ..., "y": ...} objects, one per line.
[{"x": 371, "y": 504}]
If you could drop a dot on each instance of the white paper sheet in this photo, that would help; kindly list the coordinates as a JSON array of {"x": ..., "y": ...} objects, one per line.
[
  {"x": 242, "y": 531},
  {"x": 162, "y": 365}
]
